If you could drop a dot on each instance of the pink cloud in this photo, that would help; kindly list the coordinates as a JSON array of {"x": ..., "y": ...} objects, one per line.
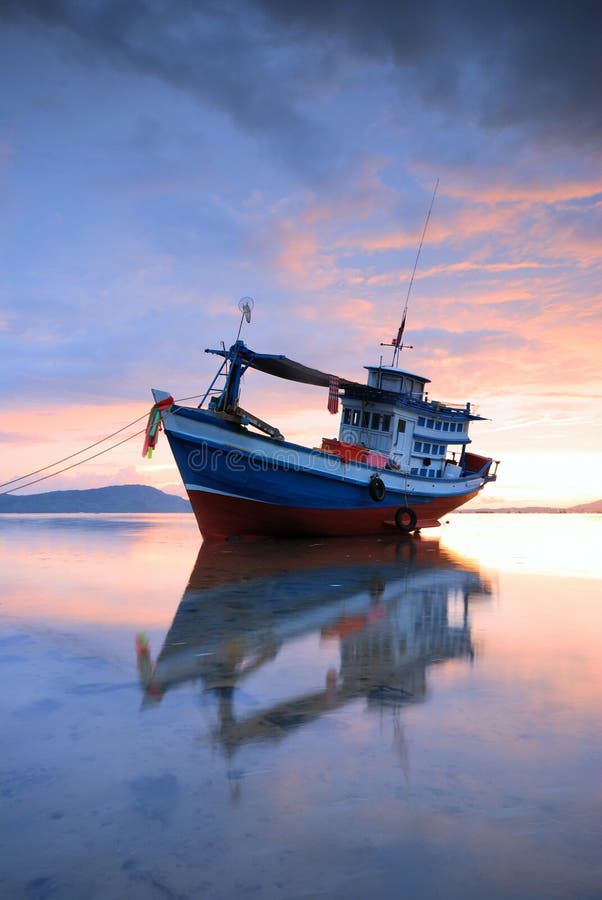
[
  {"x": 550, "y": 191},
  {"x": 354, "y": 309}
]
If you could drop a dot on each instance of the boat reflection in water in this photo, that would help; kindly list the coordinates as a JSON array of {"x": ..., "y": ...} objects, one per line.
[{"x": 393, "y": 607}]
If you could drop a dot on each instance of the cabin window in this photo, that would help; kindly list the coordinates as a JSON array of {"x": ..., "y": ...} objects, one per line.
[
  {"x": 417, "y": 446},
  {"x": 391, "y": 383},
  {"x": 460, "y": 426},
  {"x": 401, "y": 425},
  {"x": 426, "y": 448},
  {"x": 431, "y": 473},
  {"x": 423, "y": 472},
  {"x": 376, "y": 417},
  {"x": 441, "y": 449},
  {"x": 438, "y": 425},
  {"x": 414, "y": 471},
  {"x": 356, "y": 417},
  {"x": 421, "y": 420},
  {"x": 430, "y": 423},
  {"x": 365, "y": 420},
  {"x": 347, "y": 416},
  {"x": 386, "y": 425},
  {"x": 446, "y": 426}
]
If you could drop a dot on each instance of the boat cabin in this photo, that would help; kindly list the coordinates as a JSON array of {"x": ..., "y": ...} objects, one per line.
[
  {"x": 387, "y": 422},
  {"x": 393, "y": 419}
]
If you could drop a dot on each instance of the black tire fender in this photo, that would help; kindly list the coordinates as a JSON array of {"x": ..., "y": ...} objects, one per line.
[
  {"x": 377, "y": 489},
  {"x": 405, "y": 519}
]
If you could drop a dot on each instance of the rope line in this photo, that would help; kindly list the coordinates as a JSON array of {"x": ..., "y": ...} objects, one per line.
[
  {"x": 79, "y": 452},
  {"x": 74, "y": 465}
]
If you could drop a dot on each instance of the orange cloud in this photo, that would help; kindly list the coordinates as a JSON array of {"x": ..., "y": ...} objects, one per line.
[
  {"x": 354, "y": 309},
  {"x": 511, "y": 192}
]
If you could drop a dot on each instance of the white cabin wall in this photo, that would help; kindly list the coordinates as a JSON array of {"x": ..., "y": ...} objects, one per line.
[{"x": 402, "y": 442}]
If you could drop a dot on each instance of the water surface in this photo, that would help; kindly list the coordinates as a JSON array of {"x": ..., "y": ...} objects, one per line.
[{"x": 303, "y": 719}]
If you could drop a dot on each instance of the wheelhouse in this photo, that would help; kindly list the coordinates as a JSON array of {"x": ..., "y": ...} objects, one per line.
[{"x": 393, "y": 417}]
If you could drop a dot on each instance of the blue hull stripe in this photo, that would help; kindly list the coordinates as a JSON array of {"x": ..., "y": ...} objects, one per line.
[{"x": 205, "y": 465}]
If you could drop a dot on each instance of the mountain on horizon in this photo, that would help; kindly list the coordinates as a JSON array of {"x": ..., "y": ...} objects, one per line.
[
  {"x": 141, "y": 498},
  {"x": 595, "y": 507},
  {"x": 119, "y": 498}
]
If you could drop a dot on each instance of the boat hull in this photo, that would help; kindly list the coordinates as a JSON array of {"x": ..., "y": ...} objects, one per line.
[
  {"x": 241, "y": 484},
  {"x": 221, "y": 516}
]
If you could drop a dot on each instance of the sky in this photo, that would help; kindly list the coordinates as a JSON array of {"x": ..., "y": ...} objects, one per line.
[{"x": 160, "y": 160}]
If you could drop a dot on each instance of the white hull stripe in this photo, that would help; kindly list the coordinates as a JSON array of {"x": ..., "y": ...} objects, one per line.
[{"x": 206, "y": 490}]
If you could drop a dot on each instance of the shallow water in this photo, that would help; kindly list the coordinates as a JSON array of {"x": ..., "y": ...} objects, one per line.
[{"x": 358, "y": 718}]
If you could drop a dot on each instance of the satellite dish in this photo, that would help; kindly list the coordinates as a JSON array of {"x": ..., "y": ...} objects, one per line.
[{"x": 245, "y": 305}]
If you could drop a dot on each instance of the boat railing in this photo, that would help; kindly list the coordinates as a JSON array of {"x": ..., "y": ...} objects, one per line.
[{"x": 436, "y": 407}]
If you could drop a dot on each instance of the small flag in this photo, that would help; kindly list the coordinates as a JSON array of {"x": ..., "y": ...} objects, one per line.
[
  {"x": 333, "y": 394},
  {"x": 399, "y": 337}
]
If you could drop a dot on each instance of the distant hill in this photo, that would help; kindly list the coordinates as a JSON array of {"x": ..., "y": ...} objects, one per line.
[
  {"x": 515, "y": 509},
  {"x": 140, "y": 498},
  {"x": 595, "y": 507},
  {"x": 121, "y": 498}
]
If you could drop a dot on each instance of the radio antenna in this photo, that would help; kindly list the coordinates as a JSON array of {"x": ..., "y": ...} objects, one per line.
[{"x": 398, "y": 339}]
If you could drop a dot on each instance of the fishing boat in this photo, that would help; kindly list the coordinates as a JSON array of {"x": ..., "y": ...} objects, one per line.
[{"x": 399, "y": 463}]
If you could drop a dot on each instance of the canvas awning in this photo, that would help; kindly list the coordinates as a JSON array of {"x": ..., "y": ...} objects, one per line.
[{"x": 282, "y": 367}]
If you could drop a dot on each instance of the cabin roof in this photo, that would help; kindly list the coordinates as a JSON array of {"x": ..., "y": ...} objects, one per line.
[{"x": 393, "y": 370}]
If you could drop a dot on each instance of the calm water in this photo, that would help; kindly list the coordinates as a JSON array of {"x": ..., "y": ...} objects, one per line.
[{"x": 398, "y": 718}]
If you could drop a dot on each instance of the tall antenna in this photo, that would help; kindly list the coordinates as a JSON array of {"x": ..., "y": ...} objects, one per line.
[{"x": 398, "y": 339}]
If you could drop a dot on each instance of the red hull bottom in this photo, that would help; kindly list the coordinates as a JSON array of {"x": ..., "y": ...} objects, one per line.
[{"x": 220, "y": 517}]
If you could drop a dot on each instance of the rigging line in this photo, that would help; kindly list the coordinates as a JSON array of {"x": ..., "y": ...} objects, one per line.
[
  {"x": 405, "y": 309},
  {"x": 85, "y": 449},
  {"x": 74, "y": 465},
  {"x": 183, "y": 399},
  {"x": 79, "y": 452}
]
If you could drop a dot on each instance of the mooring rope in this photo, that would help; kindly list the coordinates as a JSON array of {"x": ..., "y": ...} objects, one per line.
[
  {"x": 72, "y": 455},
  {"x": 73, "y": 465},
  {"x": 79, "y": 452}
]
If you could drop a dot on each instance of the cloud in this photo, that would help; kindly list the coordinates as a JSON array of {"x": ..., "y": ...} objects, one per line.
[
  {"x": 225, "y": 55},
  {"x": 531, "y": 66},
  {"x": 538, "y": 189},
  {"x": 20, "y": 437}
]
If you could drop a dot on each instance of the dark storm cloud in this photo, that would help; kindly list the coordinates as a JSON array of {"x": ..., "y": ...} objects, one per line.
[
  {"x": 223, "y": 54},
  {"x": 532, "y": 65}
]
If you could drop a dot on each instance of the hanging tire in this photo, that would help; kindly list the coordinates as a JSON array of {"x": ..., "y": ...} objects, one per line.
[
  {"x": 405, "y": 519},
  {"x": 377, "y": 489}
]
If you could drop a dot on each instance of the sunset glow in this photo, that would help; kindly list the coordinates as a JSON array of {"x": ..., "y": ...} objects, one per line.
[{"x": 152, "y": 175}]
